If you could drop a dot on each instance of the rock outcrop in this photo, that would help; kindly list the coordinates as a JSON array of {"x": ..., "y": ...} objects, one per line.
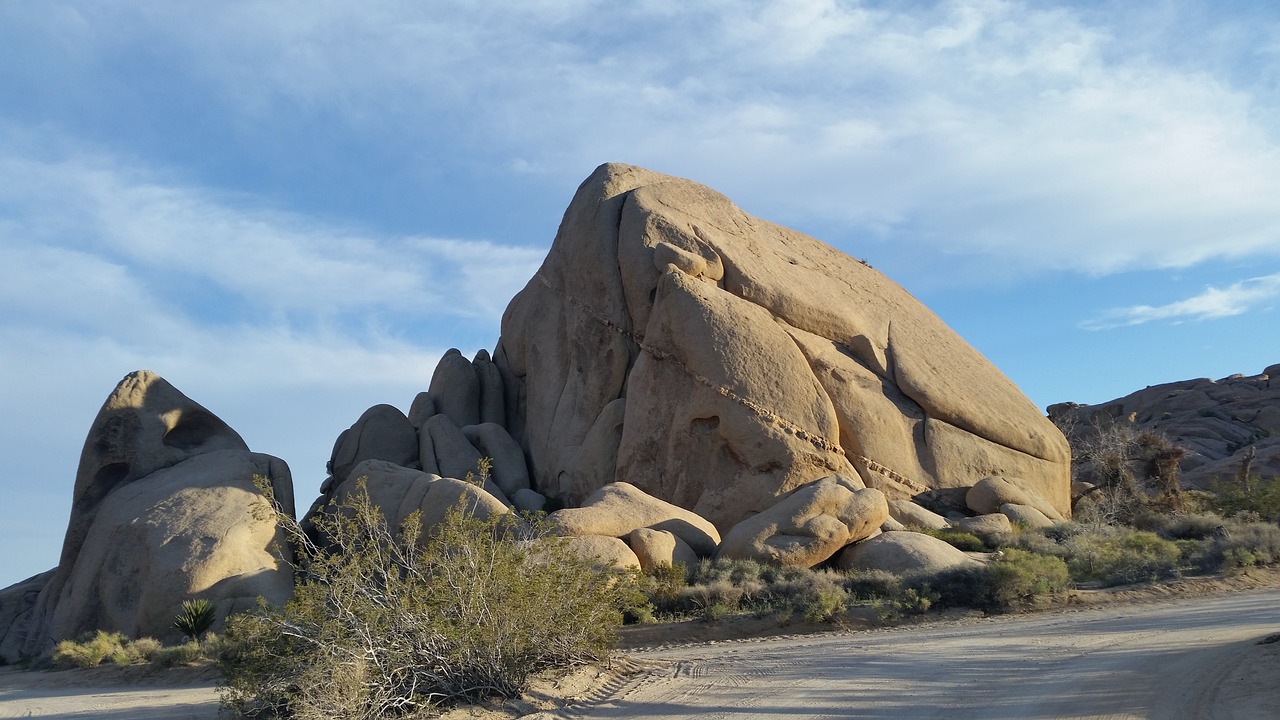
[
  {"x": 165, "y": 508},
  {"x": 619, "y": 509},
  {"x": 1221, "y": 423},
  {"x": 719, "y": 362},
  {"x": 809, "y": 525},
  {"x": 904, "y": 553}
]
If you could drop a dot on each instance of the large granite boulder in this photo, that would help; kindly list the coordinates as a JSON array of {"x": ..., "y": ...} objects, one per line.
[
  {"x": 809, "y": 525},
  {"x": 719, "y": 362},
  {"x": 165, "y": 508}
]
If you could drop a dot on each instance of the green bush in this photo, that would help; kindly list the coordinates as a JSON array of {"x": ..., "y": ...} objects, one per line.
[
  {"x": 959, "y": 539},
  {"x": 187, "y": 653},
  {"x": 1115, "y": 556},
  {"x": 386, "y": 623},
  {"x": 1018, "y": 577},
  {"x": 1250, "y": 495},
  {"x": 871, "y": 584}
]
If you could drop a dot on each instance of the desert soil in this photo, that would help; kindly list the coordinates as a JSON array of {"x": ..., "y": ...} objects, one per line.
[{"x": 1154, "y": 654}]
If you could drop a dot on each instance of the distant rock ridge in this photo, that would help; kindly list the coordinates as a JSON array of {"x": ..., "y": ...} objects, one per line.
[{"x": 1220, "y": 422}]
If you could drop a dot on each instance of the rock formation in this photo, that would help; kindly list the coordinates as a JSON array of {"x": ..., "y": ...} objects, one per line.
[
  {"x": 719, "y": 362},
  {"x": 809, "y": 525},
  {"x": 1220, "y": 423},
  {"x": 164, "y": 509},
  {"x": 675, "y": 355}
]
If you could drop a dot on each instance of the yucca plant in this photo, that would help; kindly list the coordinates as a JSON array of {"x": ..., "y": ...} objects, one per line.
[{"x": 196, "y": 617}]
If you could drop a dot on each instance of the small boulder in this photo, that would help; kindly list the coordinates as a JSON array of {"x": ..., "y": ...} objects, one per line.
[
  {"x": 492, "y": 441},
  {"x": 659, "y": 547},
  {"x": 527, "y": 500},
  {"x": 422, "y": 409},
  {"x": 993, "y": 528},
  {"x": 1025, "y": 515},
  {"x": 456, "y": 389},
  {"x": 446, "y": 451},
  {"x": 989, "y": 493},
  {"x": 617, "y": 509},
  {"x": 912, "y": 515},
  {"x": 891, "y": 525},
  {"x": 399, "y": 491},
  {"x": 16, "y": 604},
  {"x": 808, "y": 525},
  {"x": 381, "y": 433},
  {"x": 904, "y": 553}
]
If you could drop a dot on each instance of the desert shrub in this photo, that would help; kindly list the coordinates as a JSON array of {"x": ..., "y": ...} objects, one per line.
[
  {"x": 196, "y": 618},
  {"x": 1248, "y": 494},
  {"x": 1019, "y": 577},
  {"x": 92, "y": 650},
  {"x": 910, "y": 601},
  {"x": 1238, "y": 545},
  {"x": 187, "y": 653},
  {"x": 958, "y": 587},
  {"x": 870, "y": 584},
  {"x": 818, "y": 595},
  {"x": 390, "y": 624},
  {"x": 1115, "y": 556},
  {"x": 1194, "y": 526},
  {"x": 958, "y": 539}
]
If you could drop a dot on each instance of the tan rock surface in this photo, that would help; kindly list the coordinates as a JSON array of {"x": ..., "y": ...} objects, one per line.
[
  {"x": 654, "y": 548},
  {"x": 620, "y": 508},
  {"x": 197, "y": 536},
  {"x": 911, "y": 514},
  {"x": 809, "y": 525},
  {"x": 381, "y": 433},
  {"x": 1025, "y": 515},
  {"x": 989, "y": 493},
  {"x": 753, "y": 360},
  {"x": 400, "y": 491},
  {"x": 993, "y": 528},
  {"x": 904, "y": 553},
  {"x": 608, "y": 551},
  {"x": 192, "y": 530}
]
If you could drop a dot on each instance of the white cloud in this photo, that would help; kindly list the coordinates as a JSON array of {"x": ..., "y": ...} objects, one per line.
[
  {"x": 1212, "y": 304},
  {"x": 1047, "y": 137}
]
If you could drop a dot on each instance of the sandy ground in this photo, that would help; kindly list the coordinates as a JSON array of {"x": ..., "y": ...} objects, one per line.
[{"x": 1156, "y": 653}]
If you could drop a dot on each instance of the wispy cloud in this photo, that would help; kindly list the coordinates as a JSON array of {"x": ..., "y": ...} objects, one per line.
[
  {"x": 94, "y": 242},
  {"x": 1213, "y": 303},
  {"x": 1044, "y": 136}
]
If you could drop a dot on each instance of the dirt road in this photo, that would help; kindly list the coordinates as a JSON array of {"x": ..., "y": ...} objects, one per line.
[
  {"x": 1194, "y": 657},
  {"x": 1188, "y": 658}
]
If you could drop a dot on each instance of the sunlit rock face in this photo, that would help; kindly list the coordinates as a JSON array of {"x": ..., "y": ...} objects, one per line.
[
  {"x": 718, "y": 362},
  {"x": 165, "y": 508}
]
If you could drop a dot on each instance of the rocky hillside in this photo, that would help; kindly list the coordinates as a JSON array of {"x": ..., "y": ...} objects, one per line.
[{"x": 1222, "y": 423}]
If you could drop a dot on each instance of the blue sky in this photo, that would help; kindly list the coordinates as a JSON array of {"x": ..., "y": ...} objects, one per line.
[{"x": 290, "y": 209}]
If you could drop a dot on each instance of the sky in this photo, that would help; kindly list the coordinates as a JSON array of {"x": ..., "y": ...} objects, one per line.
[{"x": 291, "y": 208}]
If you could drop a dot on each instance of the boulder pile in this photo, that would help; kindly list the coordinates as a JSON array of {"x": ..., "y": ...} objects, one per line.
[{"x": 679, "y": 380}]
